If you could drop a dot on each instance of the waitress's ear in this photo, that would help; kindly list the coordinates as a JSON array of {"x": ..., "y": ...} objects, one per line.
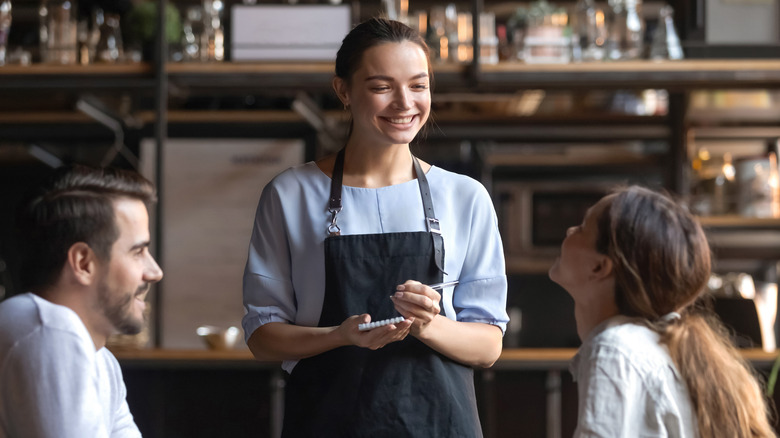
[{"x": 341, "y": 89}]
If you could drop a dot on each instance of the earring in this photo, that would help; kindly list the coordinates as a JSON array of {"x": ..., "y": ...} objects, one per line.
[{"x": 346, "y": 106}]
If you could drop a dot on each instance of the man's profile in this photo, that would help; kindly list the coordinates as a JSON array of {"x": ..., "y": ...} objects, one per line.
[{"x": 86, "y": 264}]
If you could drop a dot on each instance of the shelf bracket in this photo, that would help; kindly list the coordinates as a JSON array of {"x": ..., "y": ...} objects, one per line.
[
  {"x": 307, "y": 108},
  {"x": 100, "y": 114}
]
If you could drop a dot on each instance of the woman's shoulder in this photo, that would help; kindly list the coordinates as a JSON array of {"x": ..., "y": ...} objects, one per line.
[
  {"x": 301, "y": 174},
  {"x": 621, "y": 330},
  {"x": 629, "y": 338},
  {"x": 456, "y": 182}
]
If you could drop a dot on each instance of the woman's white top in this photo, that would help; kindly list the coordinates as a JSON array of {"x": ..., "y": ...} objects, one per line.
[{"x": 628, "y": 385}]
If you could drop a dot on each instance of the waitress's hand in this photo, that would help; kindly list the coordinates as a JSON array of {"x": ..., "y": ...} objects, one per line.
[
  {"x": 417, "y": 301},
  {"x": 375, "y": 338}
]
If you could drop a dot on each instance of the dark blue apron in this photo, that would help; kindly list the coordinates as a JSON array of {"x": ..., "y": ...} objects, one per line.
[{"x": 404, "y": 389}]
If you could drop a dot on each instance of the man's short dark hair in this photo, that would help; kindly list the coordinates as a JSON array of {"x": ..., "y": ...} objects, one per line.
[{"x": 76, "y": 205}]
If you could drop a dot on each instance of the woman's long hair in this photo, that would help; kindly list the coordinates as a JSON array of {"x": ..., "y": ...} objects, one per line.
[{"x": 662, "y": 264}]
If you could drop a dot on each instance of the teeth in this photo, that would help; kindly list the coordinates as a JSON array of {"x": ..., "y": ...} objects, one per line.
[{"x": 402, "y": 120}]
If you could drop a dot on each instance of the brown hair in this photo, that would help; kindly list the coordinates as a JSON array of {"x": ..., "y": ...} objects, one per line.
[
  {"x": 75, "y": 205},
  {"x": 371, "y": 33},
  {"x": 662, "y": 264}
]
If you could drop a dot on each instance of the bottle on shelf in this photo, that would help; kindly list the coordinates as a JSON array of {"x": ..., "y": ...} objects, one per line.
[
  {"x": 626, "y": 32},
  {"x": 488, "y": 38},
  {"x": 547, "y": 38},
  {"x": 214, "y": 30},
  {"x": 589, "y": 32},
  {"x": 5, "y": 27},
  {"x": 108, "y": 48},
  {"x": 666, "y": 43},
  {"x": 58, "y": 31},
  {"x": 715, "y": 187}
]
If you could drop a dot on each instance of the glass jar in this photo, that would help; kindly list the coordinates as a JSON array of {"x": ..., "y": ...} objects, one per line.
[
  {"x": 627, "y": 30},
  {"x": 58, "y": 31}
]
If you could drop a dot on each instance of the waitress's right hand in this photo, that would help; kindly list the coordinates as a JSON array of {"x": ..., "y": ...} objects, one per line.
[{"x": 375, "y": 338}]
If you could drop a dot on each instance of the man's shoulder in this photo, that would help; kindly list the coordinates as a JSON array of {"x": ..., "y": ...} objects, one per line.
[
  {"x": 30, "y": 325},
  {"x": 19, "y": 315}
]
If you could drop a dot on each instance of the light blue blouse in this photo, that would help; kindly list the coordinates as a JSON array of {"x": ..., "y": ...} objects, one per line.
[{"x": 284, "y": 278}]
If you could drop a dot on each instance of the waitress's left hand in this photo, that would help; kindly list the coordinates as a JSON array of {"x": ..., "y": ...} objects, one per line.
[{"x": 416, "y": 300}]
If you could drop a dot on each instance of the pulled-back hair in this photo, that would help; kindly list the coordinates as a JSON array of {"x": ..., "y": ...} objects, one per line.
[
  {"x": 662, "y": 264},
  {"x": 371, "y": 33},
  {"x": 76, "y": 205}
]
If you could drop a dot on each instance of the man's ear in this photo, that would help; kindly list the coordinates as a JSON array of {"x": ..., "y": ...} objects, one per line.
[
  {"x": 82, "y": 262},
  {"x": 603, "y": 267},
  {"x": 340, "y": 87}
]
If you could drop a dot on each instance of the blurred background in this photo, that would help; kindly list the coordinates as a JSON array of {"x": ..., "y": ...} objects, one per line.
[{"x": 548, "y": 104}]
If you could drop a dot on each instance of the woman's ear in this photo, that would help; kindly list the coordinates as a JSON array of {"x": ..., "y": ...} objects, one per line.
[
  {"x": 82, "y": 263},
  {"x": 603, "y": 267},
  {"x": 340, "y": 87}
]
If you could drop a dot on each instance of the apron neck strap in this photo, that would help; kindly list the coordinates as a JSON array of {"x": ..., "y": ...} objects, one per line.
[
  {"x": 430, "y": 216},
  {"x": 334, "y": 205}
]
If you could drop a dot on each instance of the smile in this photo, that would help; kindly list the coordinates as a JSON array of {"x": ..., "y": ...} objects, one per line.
[{"x": 400, "y": 120}]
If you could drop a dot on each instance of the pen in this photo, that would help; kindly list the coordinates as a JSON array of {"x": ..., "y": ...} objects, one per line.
[{"x": 439, "y": 286}]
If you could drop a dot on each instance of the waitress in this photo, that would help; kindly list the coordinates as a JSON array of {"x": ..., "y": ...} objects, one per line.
[{"x": 359, "y": 237}]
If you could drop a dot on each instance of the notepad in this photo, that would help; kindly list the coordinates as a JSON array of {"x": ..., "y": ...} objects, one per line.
[{"x": 372, "y": 325}]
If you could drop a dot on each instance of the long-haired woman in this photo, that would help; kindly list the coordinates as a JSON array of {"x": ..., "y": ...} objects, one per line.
[{"x": 652, "y": 364}]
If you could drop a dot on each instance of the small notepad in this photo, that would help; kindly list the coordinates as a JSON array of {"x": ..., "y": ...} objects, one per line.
[{"x": 371, "y": 325}]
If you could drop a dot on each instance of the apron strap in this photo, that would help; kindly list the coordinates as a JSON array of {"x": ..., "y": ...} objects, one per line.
[
  {"x": 334, "y": 205},
  {"x": 430, "y": 216}
]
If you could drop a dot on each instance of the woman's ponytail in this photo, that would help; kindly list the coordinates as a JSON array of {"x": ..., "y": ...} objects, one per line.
[{"x": 725, "y": 393}]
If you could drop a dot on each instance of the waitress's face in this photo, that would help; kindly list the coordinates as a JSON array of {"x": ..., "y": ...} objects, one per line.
[{"x": 389, "y": 94}]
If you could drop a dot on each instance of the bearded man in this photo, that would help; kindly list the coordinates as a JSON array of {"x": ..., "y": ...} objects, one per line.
[{"x": 86, "y": 262}]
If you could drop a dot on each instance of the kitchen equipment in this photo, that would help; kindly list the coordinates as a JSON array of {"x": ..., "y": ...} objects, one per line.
[
  {"x": 534, "y": 215},
  {"x": 747, "y": 307}
]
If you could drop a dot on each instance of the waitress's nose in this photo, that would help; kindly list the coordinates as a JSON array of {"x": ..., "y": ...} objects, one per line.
[{"x": 402, "y": 98}]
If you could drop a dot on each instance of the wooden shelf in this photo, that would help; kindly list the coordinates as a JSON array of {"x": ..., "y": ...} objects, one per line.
[
  {"x": 676, "y": 75},
  {"x": 733, "y": 222},
  {"x": 76, "y": 77},
  {"x": 511, "y": 358}
]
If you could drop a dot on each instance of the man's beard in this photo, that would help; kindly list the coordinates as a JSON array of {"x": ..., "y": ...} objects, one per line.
[{"x": 118, "y": 313}]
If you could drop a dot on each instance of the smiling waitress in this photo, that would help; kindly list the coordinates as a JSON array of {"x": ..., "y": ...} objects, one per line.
[{"x": 358, "y": 237}]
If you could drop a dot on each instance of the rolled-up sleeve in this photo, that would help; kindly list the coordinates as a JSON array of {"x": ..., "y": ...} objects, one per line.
[
  {"x": 267, "y": 287},
  {"x": 482, "y": 292}
]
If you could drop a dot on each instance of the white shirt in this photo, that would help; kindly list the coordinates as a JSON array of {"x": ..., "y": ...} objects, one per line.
[
  {"x": 284, "y": 279},
  {"x": 628, "y": 385},
  {"x": 54, "y": 384}
]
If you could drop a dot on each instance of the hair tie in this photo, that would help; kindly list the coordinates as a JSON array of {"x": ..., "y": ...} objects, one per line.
[{"x": 669, "y": 317}]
